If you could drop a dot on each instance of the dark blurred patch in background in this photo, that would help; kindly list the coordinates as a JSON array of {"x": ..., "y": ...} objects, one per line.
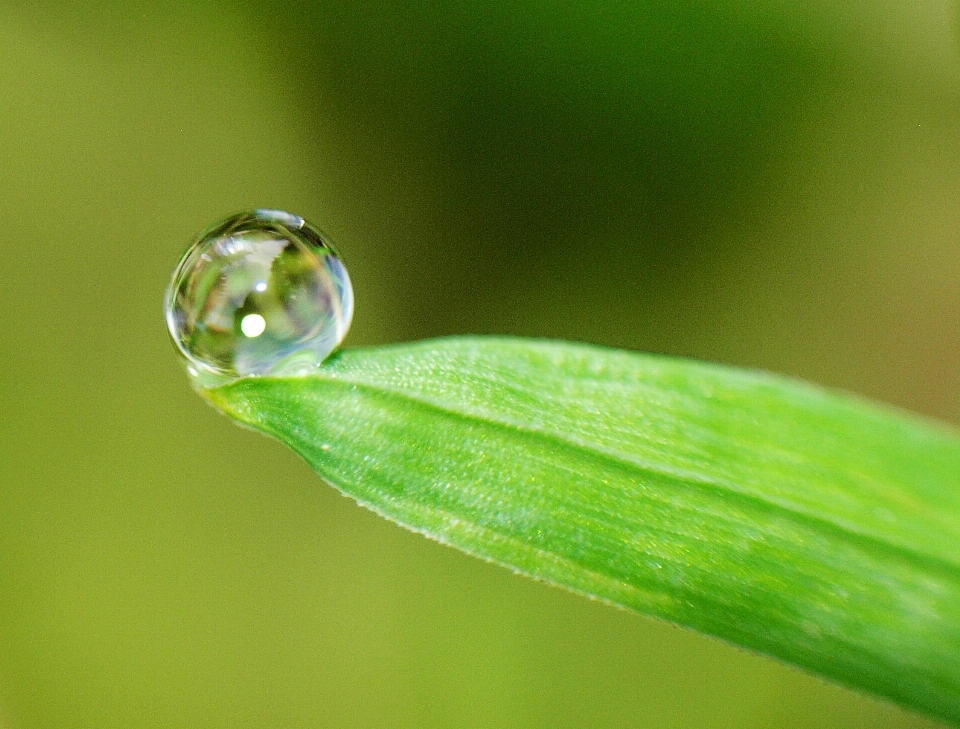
[{"x": 768, "y": 184}]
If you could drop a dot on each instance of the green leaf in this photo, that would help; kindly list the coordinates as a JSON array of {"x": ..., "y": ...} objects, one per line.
[{"x": 801, "y": 523}]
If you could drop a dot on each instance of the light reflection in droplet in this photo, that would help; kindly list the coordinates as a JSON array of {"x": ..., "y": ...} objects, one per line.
[{"x": 253, "y": 325}]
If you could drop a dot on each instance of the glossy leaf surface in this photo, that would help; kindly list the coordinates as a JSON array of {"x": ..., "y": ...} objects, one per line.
[{"x": 805, "y": 524}]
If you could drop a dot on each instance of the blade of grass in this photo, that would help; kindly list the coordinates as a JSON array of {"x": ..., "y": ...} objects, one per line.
[{"x": 805, "y": 524}]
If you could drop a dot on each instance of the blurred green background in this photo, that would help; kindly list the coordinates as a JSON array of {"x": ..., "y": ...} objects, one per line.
[{"x": 771, "y": 184}]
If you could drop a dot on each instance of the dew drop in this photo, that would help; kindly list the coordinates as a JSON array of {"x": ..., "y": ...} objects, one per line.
[{"x": 260, "y": 293}]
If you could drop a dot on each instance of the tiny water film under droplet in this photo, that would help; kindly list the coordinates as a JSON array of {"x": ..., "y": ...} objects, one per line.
[{"x": 260, "y": 293}]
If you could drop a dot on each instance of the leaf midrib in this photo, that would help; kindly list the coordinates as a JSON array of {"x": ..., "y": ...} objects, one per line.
[{"x": 625, "y": 462}]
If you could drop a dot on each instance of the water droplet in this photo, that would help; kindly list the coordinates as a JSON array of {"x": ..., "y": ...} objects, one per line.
[{"x": 260, "y": 293}]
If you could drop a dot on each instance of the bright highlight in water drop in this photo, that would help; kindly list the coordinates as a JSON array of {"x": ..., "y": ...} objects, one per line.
[
  {"x": 253, "y": 325},
  {"x": 260, "y": 293}
]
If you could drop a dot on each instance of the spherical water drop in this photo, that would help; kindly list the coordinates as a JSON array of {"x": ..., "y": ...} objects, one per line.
[{"x": 260, "y": 293}]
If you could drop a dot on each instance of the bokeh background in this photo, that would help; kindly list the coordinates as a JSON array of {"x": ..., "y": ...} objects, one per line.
[{"x": 770, "y": 184}]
